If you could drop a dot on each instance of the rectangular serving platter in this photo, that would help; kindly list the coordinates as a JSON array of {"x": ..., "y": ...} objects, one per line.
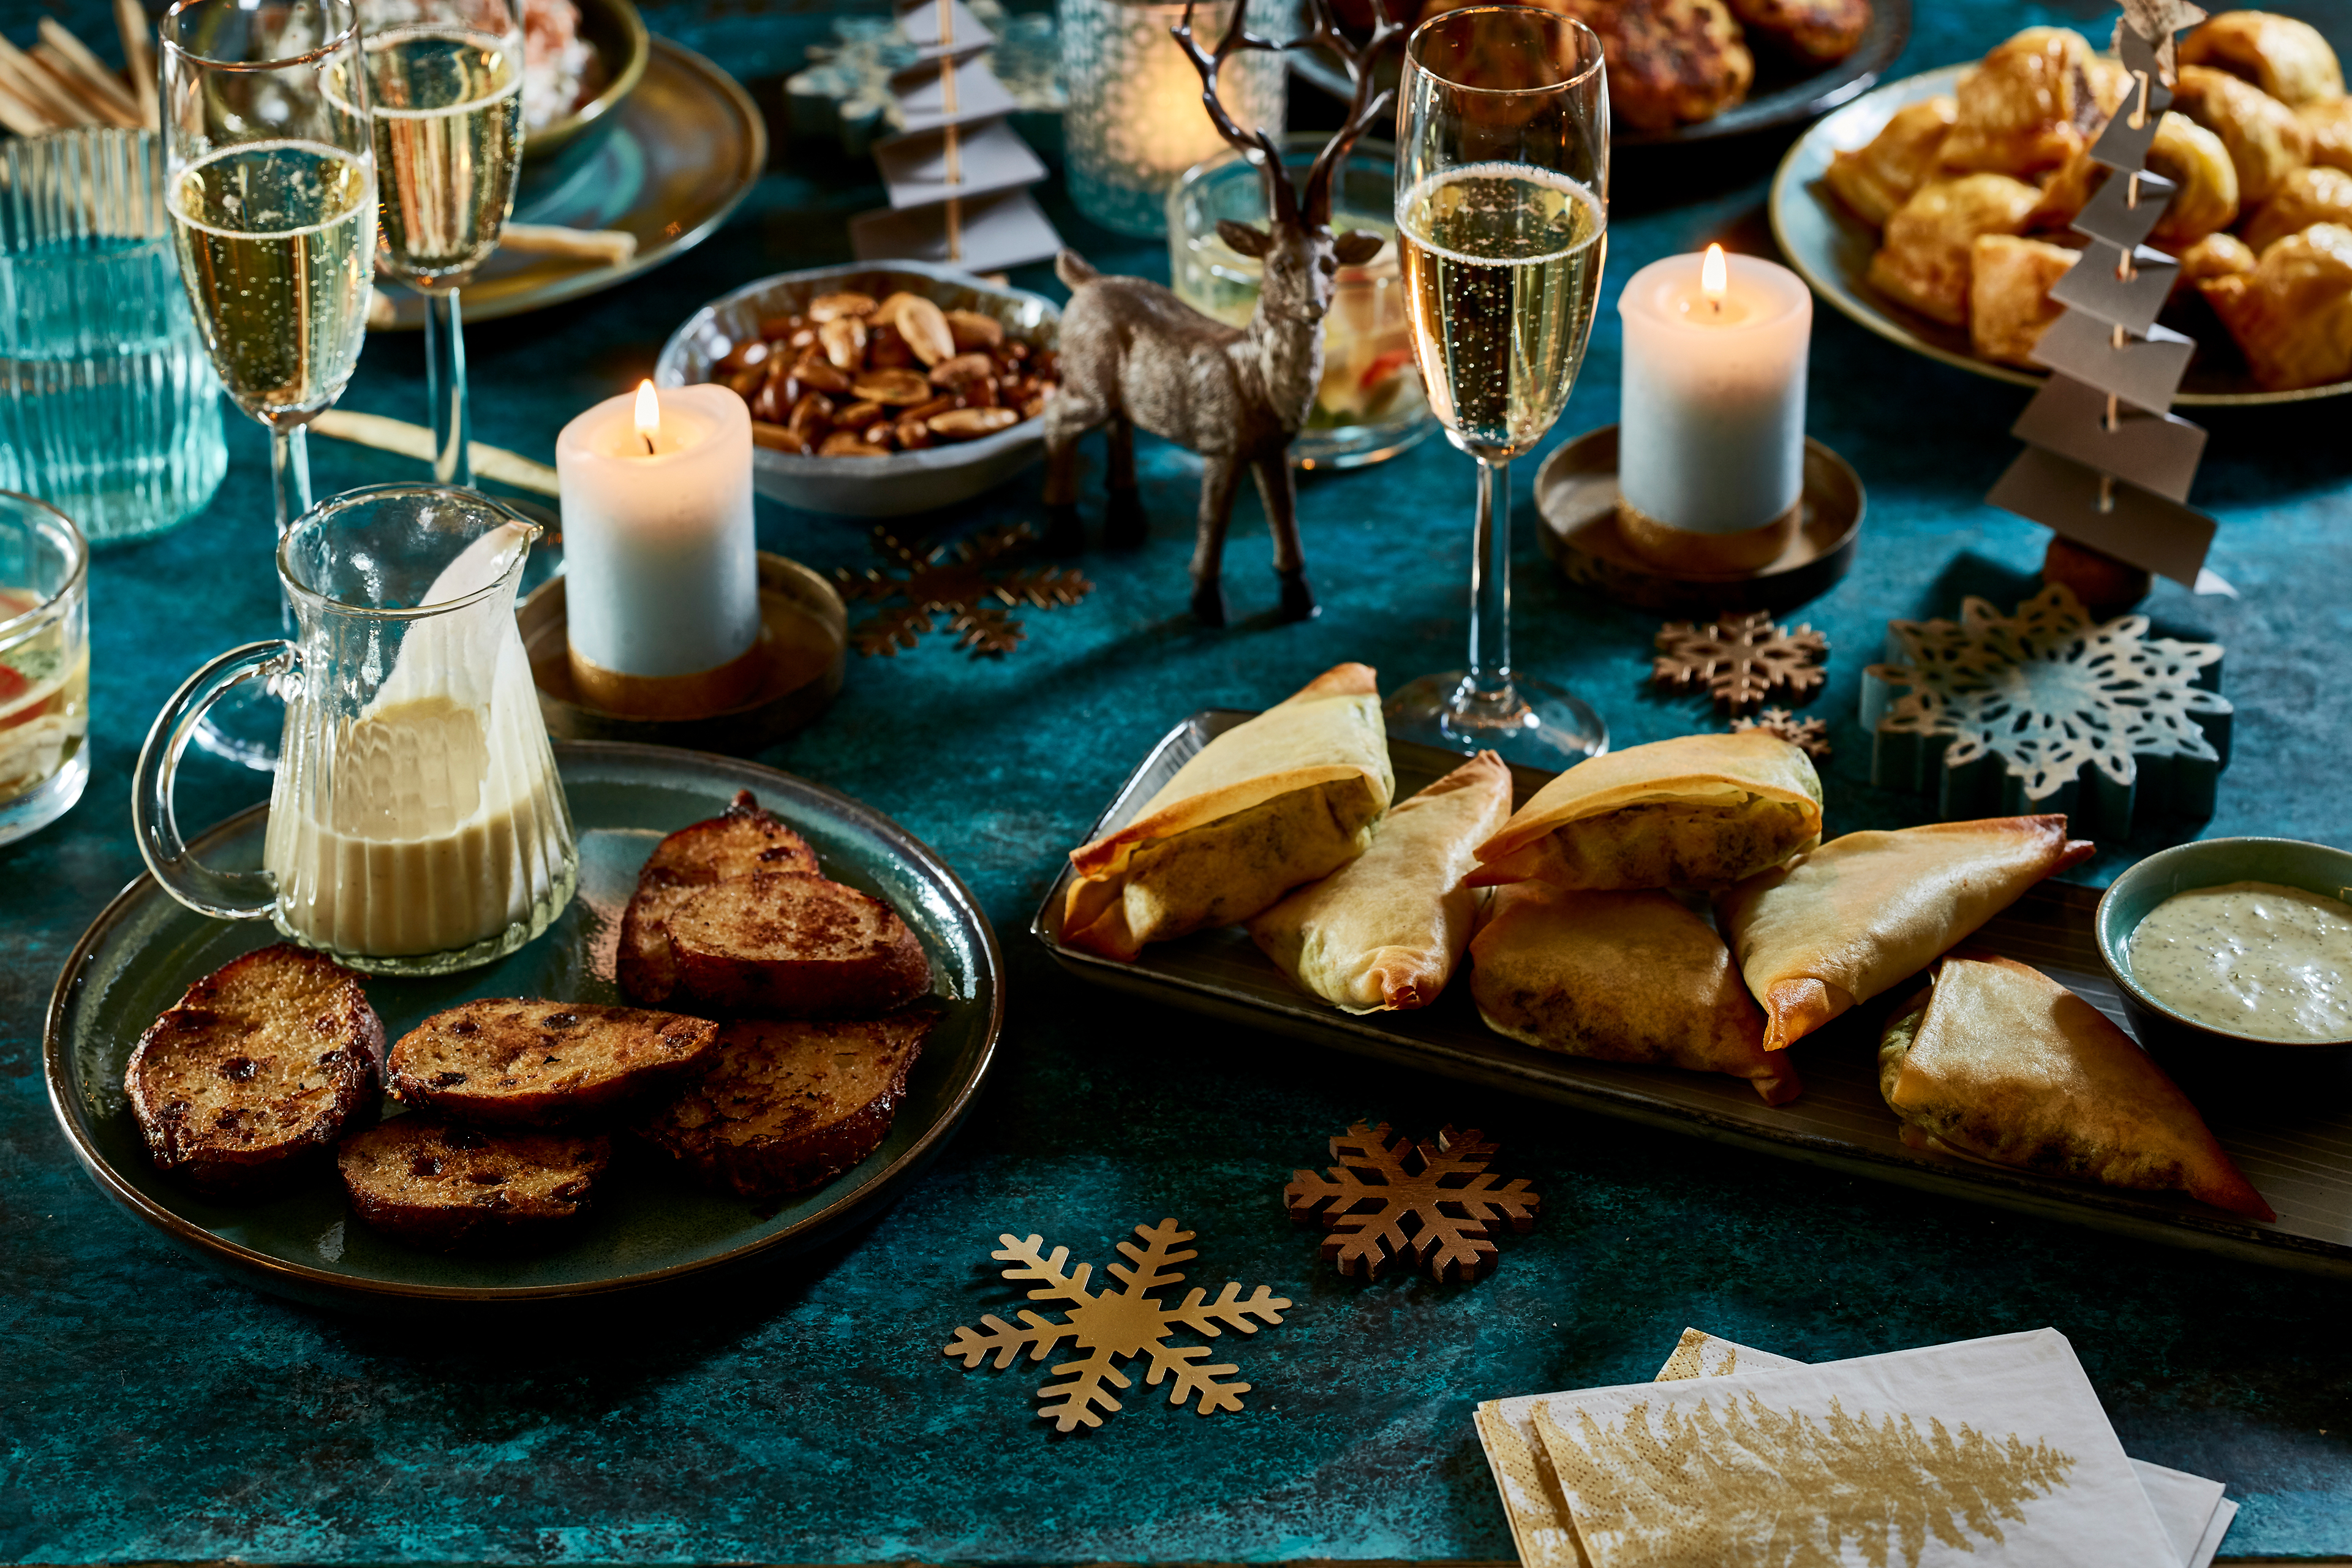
[{"x": 2300, "y": 1156}]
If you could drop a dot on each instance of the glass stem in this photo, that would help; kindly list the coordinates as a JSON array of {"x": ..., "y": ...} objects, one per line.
[
  {"x": 1488, "y": 684},
  {"x": 290, "y": 484},
  {"x": 445, "y": 388}
]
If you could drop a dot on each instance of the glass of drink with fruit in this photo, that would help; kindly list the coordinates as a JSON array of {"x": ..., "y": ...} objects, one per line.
[{"x": 44, "y": 665}]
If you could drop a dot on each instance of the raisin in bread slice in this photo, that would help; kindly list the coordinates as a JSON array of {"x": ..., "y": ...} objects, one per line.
[
  {"x": 244, "y": 1085},
  {"x": 440, "y": 1184},
  {"x": 740, "y": 842},
  {"x": 511, "y": 1062},
  {"x": 792, "y": 1103},
  {"x": 793, "y": 947}
]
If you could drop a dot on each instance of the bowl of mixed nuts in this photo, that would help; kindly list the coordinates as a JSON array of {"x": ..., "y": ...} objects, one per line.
[{"x": 877, "y": 390}]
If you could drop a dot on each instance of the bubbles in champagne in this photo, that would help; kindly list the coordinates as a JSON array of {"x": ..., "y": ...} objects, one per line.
[
  {"x": 445, "y": 106},
  {"x": 274, "y": 240},
  {"x": 1502, "y": 265}
]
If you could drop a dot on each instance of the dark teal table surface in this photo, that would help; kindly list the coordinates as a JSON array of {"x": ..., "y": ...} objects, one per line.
[{"x": 151, "y": 1410}]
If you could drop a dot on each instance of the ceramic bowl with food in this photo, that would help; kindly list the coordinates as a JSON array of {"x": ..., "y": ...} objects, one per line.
[
  {"x": 594, "y": 58},
  {"x": 2223, "y": 1049},
  {"x": 956, "y": 466}
]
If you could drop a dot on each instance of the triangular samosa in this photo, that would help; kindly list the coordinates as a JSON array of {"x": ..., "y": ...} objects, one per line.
[
  {"x": 1621, "y": 977},
  {"x": 1288, "y": 796},
  {"x": 1385, "y": 930},
  {"x": 1699, "y": 811},
  {"x": 2000, "y": 1061},
  {"x": 1866, "y": 911}
]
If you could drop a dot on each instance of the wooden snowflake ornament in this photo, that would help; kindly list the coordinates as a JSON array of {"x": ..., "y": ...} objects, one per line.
[
  {"x": 1741, "y": 660},
  {"x": 1443, "y": 1187},
  {"x": 1811, "y": 736},
  {"x": 1110, "y": 1326},
  {"x": 2047, "y": 710},
  {"x": 953, "y": 580}
]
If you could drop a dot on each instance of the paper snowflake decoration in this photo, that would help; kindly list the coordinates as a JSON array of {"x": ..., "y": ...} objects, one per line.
[
  {"x": 1442, "y": 1189},
  {"x": 1741, "y": 660},
  {"x": 1110, "y": 1326},
  {"x": 1811, "y": 736},
  {"x": 954, "y": 581},
  {"x": 2047, "y": 710}
]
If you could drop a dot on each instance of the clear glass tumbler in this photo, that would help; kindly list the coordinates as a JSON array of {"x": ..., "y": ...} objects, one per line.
[
  {"x": 109, "y": 406},
  {"x": 1369, "y": 404},
  {"x": 1135, "y": 123},
  {"x": 44, "y": 665}
]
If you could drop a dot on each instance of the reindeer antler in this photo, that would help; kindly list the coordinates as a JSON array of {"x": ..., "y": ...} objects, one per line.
[
  {"x": 1281, "y": 197},
  {"x": 1363, "y": 109}
]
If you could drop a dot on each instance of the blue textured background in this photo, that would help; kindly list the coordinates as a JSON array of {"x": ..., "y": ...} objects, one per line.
[{"x": 148, "y": 1410}]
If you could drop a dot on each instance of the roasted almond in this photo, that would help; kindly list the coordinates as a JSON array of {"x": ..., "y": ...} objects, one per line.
[
  {"x": 878, "y": 434},
  {"x": 961, "y": 369},
  {"x": 776, "y": 437},
  {"x": 811, "y": 417},
  {"x": 844, "y": 444},
  {"x": 1034, "y": 406},
  {"x": 744, "y": 355},
  {"x": 780, "y": 326},
  {"x": 925, "y": 327},
  {"x": 886, "y": 312},
  {"x": 970, "y": 423},
  {"x": 936, "y": 406},
  {"x": 979, "y": 393},
  {"x": 899, "y": 387},
  {"x": 817, "y": 374},
  {"x": 839, "y": 307},
  {"x": 844, "y": 338},
  {"x": 971, "y": 330},
  {"x": 859, "y": 415},
  {"x": 884, "y": 348},
  {"x": 747, "y": 381},
  {"x": 771, "y": 400},
  {"x": 914, "y": 435}
]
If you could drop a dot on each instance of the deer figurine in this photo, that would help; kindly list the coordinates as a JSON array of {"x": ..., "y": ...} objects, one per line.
[{"x": 1133, "y": 353}]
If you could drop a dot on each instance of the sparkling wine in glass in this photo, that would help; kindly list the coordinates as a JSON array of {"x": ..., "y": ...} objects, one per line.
[
  {"x": 444, "y": 96},
  {"x": 1502, "y": 216},
  {"x": 270, "y": 182}
]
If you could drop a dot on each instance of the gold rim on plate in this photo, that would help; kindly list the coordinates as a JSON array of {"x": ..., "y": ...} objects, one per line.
[{"x": 1830, "y": 247}]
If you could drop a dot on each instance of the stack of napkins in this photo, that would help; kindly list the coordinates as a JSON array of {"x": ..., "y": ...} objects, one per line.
[{"x": 1981, "y": 1453}]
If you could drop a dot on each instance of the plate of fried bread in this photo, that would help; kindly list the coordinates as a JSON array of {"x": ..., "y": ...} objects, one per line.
[
  {"x": 1936, "y": 210},
  {"x": 766, "y": 1008},
  {"x": 1675, "y": 934},
  {"x": 1692, "y": 71}
]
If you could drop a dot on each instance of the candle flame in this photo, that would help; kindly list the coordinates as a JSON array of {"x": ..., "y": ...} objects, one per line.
[
  {"x": 648, "y": 413},
  {"x": 1714, "y": 277}
]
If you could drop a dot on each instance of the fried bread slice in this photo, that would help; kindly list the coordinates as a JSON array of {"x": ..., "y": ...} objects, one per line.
[
  {"x": 792, "y": 1103},
  {"x": 247, "y": 1080},
  {"x": 795, "y": 947},
  {"x": 514, "y": 1062},
  {"x": 743, "y": 840},
  {"x": 447, "y": 1186}
]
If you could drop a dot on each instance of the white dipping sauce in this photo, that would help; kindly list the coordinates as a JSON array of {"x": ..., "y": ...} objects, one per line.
[{"x": 2252, "y": 958}]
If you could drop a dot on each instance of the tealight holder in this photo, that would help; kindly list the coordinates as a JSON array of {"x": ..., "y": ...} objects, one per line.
[
  {"x": 1585, "y": 531},
  {"x": 796, "y": 665}
]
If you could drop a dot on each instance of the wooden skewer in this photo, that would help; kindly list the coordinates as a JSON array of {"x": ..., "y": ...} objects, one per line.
[
  {"x": 612, "y": 247},
  {"x": 22, "y": 116},
  {"x": 69, "y": 81},
  {"x": 89, "y": 69},
  {"x": 397, "y": 435},
  {"x": 31, "y": 81},
  {"x": 138, "y": 59}
]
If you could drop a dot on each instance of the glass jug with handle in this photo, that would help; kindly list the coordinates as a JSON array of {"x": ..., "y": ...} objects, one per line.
[{"x": 416, "y": 825}]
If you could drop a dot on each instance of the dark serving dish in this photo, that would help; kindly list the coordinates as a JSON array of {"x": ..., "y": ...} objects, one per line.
[
  {"x": 656, "y": 1227},
  {"x": 2298, "y": 1152}
]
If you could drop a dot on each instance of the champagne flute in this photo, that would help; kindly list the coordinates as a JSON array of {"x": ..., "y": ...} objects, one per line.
[
  {"x": 445, "y": 96},
  {"x": 271, "y": 186},
  {"x": 1502, "y": 215}
]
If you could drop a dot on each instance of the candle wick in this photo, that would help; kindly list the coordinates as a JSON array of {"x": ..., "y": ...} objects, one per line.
[
  {"x": 648, "y": 440},
  {"x": 1715, "y": 305}
]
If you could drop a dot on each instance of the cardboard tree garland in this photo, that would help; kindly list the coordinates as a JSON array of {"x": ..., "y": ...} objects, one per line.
[{"x": 2106, "y": 466}]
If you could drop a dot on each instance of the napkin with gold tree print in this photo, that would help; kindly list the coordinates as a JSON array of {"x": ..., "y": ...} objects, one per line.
[{"x": 1985, "y": 1452}]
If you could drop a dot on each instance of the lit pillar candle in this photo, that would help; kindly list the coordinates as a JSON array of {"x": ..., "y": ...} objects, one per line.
[
  {"x": 661, "y": 574},
  {"x": 1711, "y": 431}
]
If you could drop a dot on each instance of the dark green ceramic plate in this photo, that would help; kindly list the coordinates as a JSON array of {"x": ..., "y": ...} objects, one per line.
[{"x": 654, "y": 1226}]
